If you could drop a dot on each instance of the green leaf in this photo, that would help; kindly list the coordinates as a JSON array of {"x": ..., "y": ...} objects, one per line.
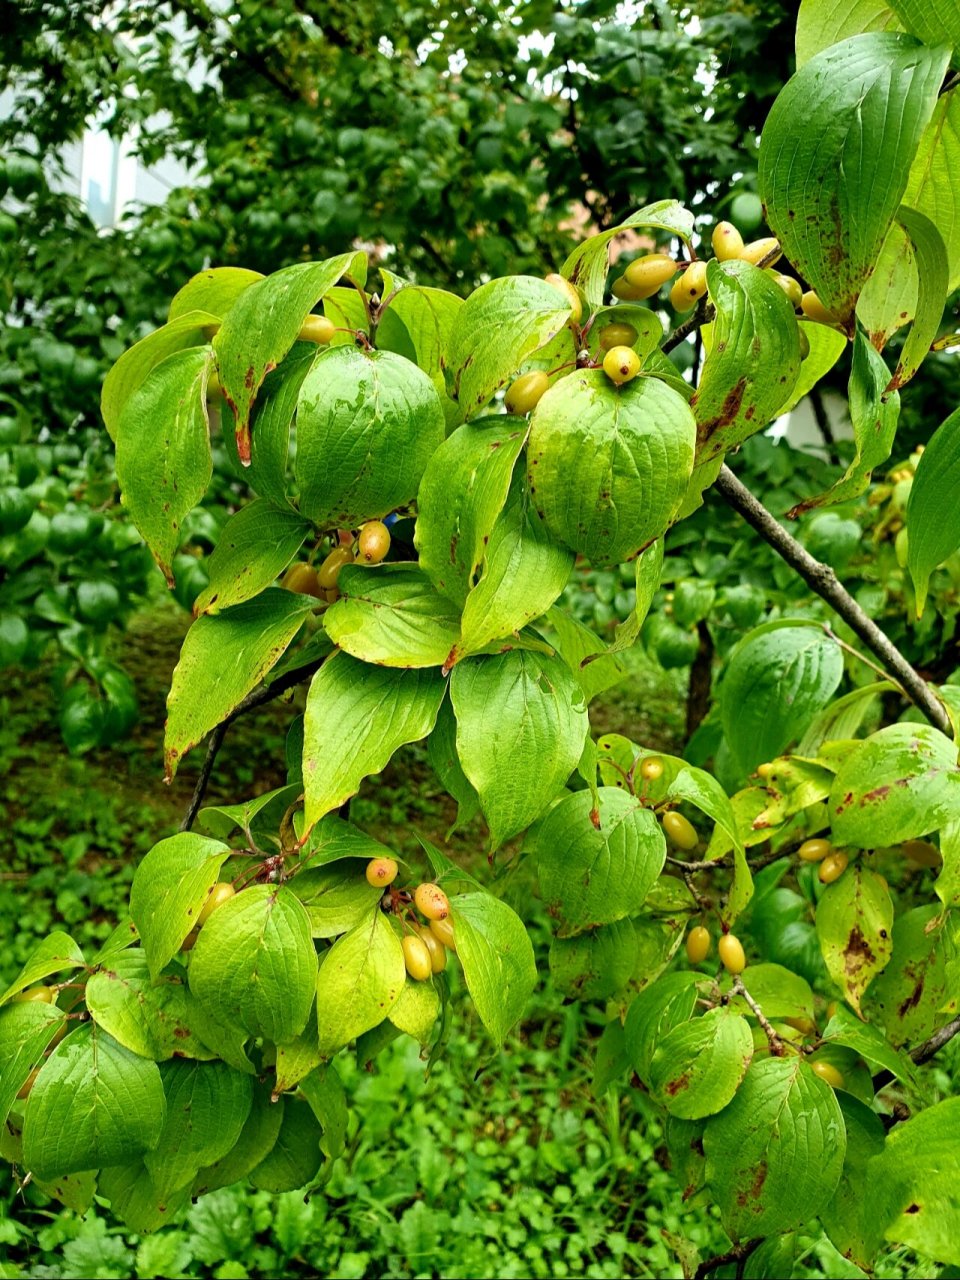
[
  {"x": 698, "y": 1066},
  {"x": 443, "y": 758},
  {"x": 222, "y": 660},
  {"x": 933, "y": 269},
  {"x": 854, "y": 925},
  {"x": 597, "y": 867},
  {"x": 325, "y": 1094},
  {"x": 653, "y": 1015},
  {"x": 899, "y": 783},
  {"x": 297, "y": 1059},
  {"x": 295, "y": 1156},
  {"x": 873, "y": 417},
  {"x": 948, "y": 881},
  {"x": 272, "y": 419},
  {"x": 705, "y": 793},
  {"x": 832, "y": 188},
  {"x": 367, "y": 425},
  {"x": 595, "y": 668},
  {"x": 392, "y": 615},
  {"x": 608, "y": 466},
  {"x": 265, "y": 812},
  {"x": 850, "y": 1219},
  {"x": 933, "y": 517},
  {"x": 220, "y": 1032},
  {"x": 169, "y": 888},
  {"x": 498, "y": 327},
  {"x": 136, "y": 1202},
  {"x": 779, "y": 992},
  {"x": 416, "y": 1010},
  {"x": 753, "y": 361},
  {"x": 164, "y": 462},
  {"x": 871, "y": 1044},
  {"x": 253, "y": 548},
  {"x": 931, "y": 189},
  {"x": 939, "y": 28},
  {"x": 94, "y": 1104},
  {"x": 207, "y": 1107},
  {"x": 360, "y": 980},
  {"x": 842, "y": 718},
  {"x": 356, "y": 717},
  {"x": 822, "y": 23},
  {"x": 610, "y": 1061},
  {"x": 254, "y": 963},
  {"x": 56, "y": 952},
  {"x": 588, "y": 264},
  {"x": 463, "y": 491},
  {"x": 913, "y": 1182},
  {"x": 889, "y": 298},
  {"x": 521, "y": 726},
  {"x": 25, "y": 1031},
  {"x": 428, "y": 316},
  {"x": 214, "y": 290},
  {"x": 648, "y": 572},
  {"x": 190, "y": 329},
  {"x": 152, "y": 1020},
  {"x": 497, "y": 959},
  {"x": 777, "y": 679},
  {"x": 333, "y": 839},
  {"x": 775, "y": 1155},
  {"x": 257, "y": 1139},
  {"x": 337, "y": 898},
  {"x": 262, "y": 326},
  {"x": 915, "y": 993}
]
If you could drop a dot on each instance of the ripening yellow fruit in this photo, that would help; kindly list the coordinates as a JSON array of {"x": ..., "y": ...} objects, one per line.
[
  {"x": 190, "y": 941},
  {"x": 373, "y": 542},
  {"x": 813, "y": 309},
  {"x": 34, "y": 995},
  {"x": 317, "y": 329},
  {"x": 698, "y": 944},
  {"x": 621, "y": 364},
  {"x": 329, "y": 571},
  {"x": 805, "y": 1025},
  {"x": 647, "y": 274},
  {"x": 442, "y": 930},
  {"x": 833, "y": 867},
  {"x": 922, "y": 853},
  {"x": 626, "y": 292},
  {"x": 766, "y": 770},
  {"x": 815, "y": 850},
  {"x": 24, "y": 1090},
  {"x": 757, "y": 250},
  {"x": 691, "y": 286},
  {"x": 651, "y": 768},
  {"x": 732, "y": 954},
  {"x": 416, "y": 957},
  {"x": 727, "y": 241},
  {"x": 525, "y": 394},
  {"x": 431, "y": 901},
  {"x": 438, "y": 952},
  {"x": 617, "y": 335},
  {"x": 792, "y": 288},
  {"x": 832, "y": 1008},
  {"x": 302, "y": 579},
  {"x": 681, "y": 833},
  {"x": 828, "y": 1073},
  {"x": 570, "y": 293},
  {"x": 219, "y": 894},
  {"x": 381, "y": 872}
]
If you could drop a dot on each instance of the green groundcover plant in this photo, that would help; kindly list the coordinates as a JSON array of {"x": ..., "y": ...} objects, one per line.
[{"x": 426, "y": 470}]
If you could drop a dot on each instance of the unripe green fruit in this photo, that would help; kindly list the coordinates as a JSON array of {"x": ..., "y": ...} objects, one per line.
[
  {"x": 833, "y": 867},
  {"x": 617, "y": 335},
  {"x": 24, "y": 1090},
  {"x": 438, "y": 952},
  {"x": 698, "y": 944},
  {"x": 804, "y": 345},
  {"x": 832, "y": 1008},
  {"x": 651, "y": 769},
  {"x": 815, "y": 850},
  {"x": 681, "y": 833},
  {"x": 524, "y": 394},
  {"x": 34, "y": 995},
  {"x": 417, "y": 958},
  {"x": 329, "y": 571},
  {"x": 302, "y": 579},
  {"x": 813, "y": 309},
  {"x": 901, "y": 548},
  {"x": 570, "y": 293},
  {"x": 828, "y": 1073},
  {"x": 691, "y": 286},
  {"x": 647, "y": 274},
  {"x": 218, "y": 895},
  {"x": 727, "y": 241},
  {"x": 621, "y": 364},
  {"x": 757, "y": 250},
  {"x": 805, "y": 1025},
  {"x": 442, "y": 930},
  {"x": 431, "y": 901},
  {"x": 792, "y": 288},
  {"x": 373, "y": 542},
  {"x": 381, "y": 872},
  {"x": 317, "y": 329},
  {"x": 732, "y": 954},
  {"x": 626, "y": 292}
]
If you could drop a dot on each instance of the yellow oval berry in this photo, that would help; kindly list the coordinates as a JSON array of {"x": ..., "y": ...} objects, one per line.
[
  {"x": 329, "y": 571},
  {"x": 416, "y": 957},
  {"x": 438, "y": 952},
  {"x": 792, "y": 288},
  {"x": 647, "y": 274},
  {"x": 317, "y": 329},
  {"x": 626, "y": 292},
  {"x": 815, "y": 850},
  {"x": 833, "y": 867},
  {"x": 691, "y": 286},
  {"x": 805, "y": 1025},
  {"x": 766, "y": 770},
  {"x": 727, "y": 241},
  {"x": 570, "y": 293},
  {"x": 381, "y": 872},
  {"x": 617, "y": 335},
  {"x": 302, "y": 579},
  {"x": 757, "y": 250},
  {"x": 732, "y": 954},
  {"x": 698, "y": 944},
  {"x": 525, "y": 394},
  {"x": 651, "y": 768},
  {"x": 681, "y": 833},
  {"x": 373, "y": 542},
  {"x": 442, "y": 930},
  {"x": 431, "y": 901},
  {"x": 218, "y": 895},
  {"x": 828, "y": 1073},
  {"x": 34, "y": 995},
  {"x": 621, "y": 364},
  {"x": 813, "y": 309},
  {"x": 24, "y": 1090}
]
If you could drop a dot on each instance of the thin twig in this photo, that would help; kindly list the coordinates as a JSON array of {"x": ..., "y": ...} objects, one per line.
[
  {"x": 776, "y": 1044},
  {"x": 924, "y": 1051},
  {"x": 867, "y": 662},
  {"x": 822, "y": 579},
  {"x": 739, "y": 1253}
]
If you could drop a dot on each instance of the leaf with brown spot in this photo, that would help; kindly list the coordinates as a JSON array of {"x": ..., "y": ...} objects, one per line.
[
  {"x": 699, "y": 1065},
  {"x": 855, "y": 928}
]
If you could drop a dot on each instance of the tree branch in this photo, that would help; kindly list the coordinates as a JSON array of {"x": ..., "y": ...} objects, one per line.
[
  {"x": 739, "y": 1253},
  {"x": 924, "y": 1051},
  {"x": 822, "y": 580}
]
